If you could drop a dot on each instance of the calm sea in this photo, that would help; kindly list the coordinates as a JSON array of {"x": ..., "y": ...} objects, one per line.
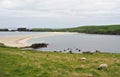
[
  {"x": 84, "y": 42},
  {"x": 20, "y": 33}
]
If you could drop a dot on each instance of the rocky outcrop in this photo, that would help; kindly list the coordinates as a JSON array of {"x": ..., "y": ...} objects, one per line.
[
  {"x": 2, "y": 44},
  {"x": 87, "y": 52},
  {"x": 38, "y": 45}
]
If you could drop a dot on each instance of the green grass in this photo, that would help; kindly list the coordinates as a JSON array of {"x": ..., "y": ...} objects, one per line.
[
  {"x": 106, "y": 29},
  {"x": 26, "y": 63}
]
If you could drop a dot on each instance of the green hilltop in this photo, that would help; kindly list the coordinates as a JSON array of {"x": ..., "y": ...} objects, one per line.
[
  {"x": 100, "y": 29},
  {"x": 106, "y": 29}
]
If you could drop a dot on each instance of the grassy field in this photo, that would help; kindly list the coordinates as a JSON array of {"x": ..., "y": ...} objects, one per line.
[
  {"x": 25, "y": 63},
  {"x": 106, "y": 29}
]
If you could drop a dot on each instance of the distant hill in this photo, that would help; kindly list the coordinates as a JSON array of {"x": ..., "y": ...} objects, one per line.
[
  {"x": 106, "y": 29},
  {"x": 103, "y": 29}
]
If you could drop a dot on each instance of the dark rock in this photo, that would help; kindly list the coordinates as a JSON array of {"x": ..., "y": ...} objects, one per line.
[
  {"x": 54, "y": 51},
  {"x": 70, "y": 52},
  {"x": 87, "y": 52},
  {"x": 79, "y": 50},
  {"x": 97, "y": 51},
  {"x": 38, "y": 45},
  {"x": 2, "y": 44},
  {"x": 64, "y": 50}
]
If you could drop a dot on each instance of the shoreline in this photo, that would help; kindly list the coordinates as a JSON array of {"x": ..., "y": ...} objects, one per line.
[{"x": 21, "y": 40}]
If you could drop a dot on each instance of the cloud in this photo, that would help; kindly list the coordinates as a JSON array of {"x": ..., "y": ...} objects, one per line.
[
  {"x": 62, "y": 9},
  {"x": 59, "y": 7}
]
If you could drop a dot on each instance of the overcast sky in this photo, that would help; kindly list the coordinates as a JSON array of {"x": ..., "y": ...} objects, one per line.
[{"x": 58, "y": 13}]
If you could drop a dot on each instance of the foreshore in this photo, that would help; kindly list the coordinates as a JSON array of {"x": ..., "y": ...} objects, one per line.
[{"x": 20, "y": 40}]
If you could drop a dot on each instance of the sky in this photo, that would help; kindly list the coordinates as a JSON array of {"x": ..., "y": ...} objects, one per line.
[{"x": 58, "y": 13}]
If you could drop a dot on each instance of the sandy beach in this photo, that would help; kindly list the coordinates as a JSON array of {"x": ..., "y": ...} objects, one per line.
[{"x": 20, "y": 41}]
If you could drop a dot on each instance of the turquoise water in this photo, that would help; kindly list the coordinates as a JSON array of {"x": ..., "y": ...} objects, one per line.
[{"x": 85, "y": 42}]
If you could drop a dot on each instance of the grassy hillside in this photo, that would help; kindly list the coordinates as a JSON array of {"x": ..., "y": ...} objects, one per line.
[
  {"x": 42, "y": 29},
  {"x": 108, "y": 29},
  {"x": 25, "y": 63}
]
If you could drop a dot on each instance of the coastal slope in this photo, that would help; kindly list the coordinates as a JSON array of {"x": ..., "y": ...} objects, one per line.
[
  {"x": 27, "y": 63},
  {"x": 101, "y": 29}
]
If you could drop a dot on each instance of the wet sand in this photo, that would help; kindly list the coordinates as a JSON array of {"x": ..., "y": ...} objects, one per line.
[{"x": 20, "y": 41}]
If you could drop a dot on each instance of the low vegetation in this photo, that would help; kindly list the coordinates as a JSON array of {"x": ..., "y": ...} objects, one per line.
[
  {"x": 107, "y": 29},
  {"x": 15, "y": 62},
  {"x": 4, "y": 30},
  {"x": 110, "y": 29},
  {"x": 43, "y": 29}
]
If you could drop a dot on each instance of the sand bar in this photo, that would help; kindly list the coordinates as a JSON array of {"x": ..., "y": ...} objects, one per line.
[{"x": 20, "y": 41}]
